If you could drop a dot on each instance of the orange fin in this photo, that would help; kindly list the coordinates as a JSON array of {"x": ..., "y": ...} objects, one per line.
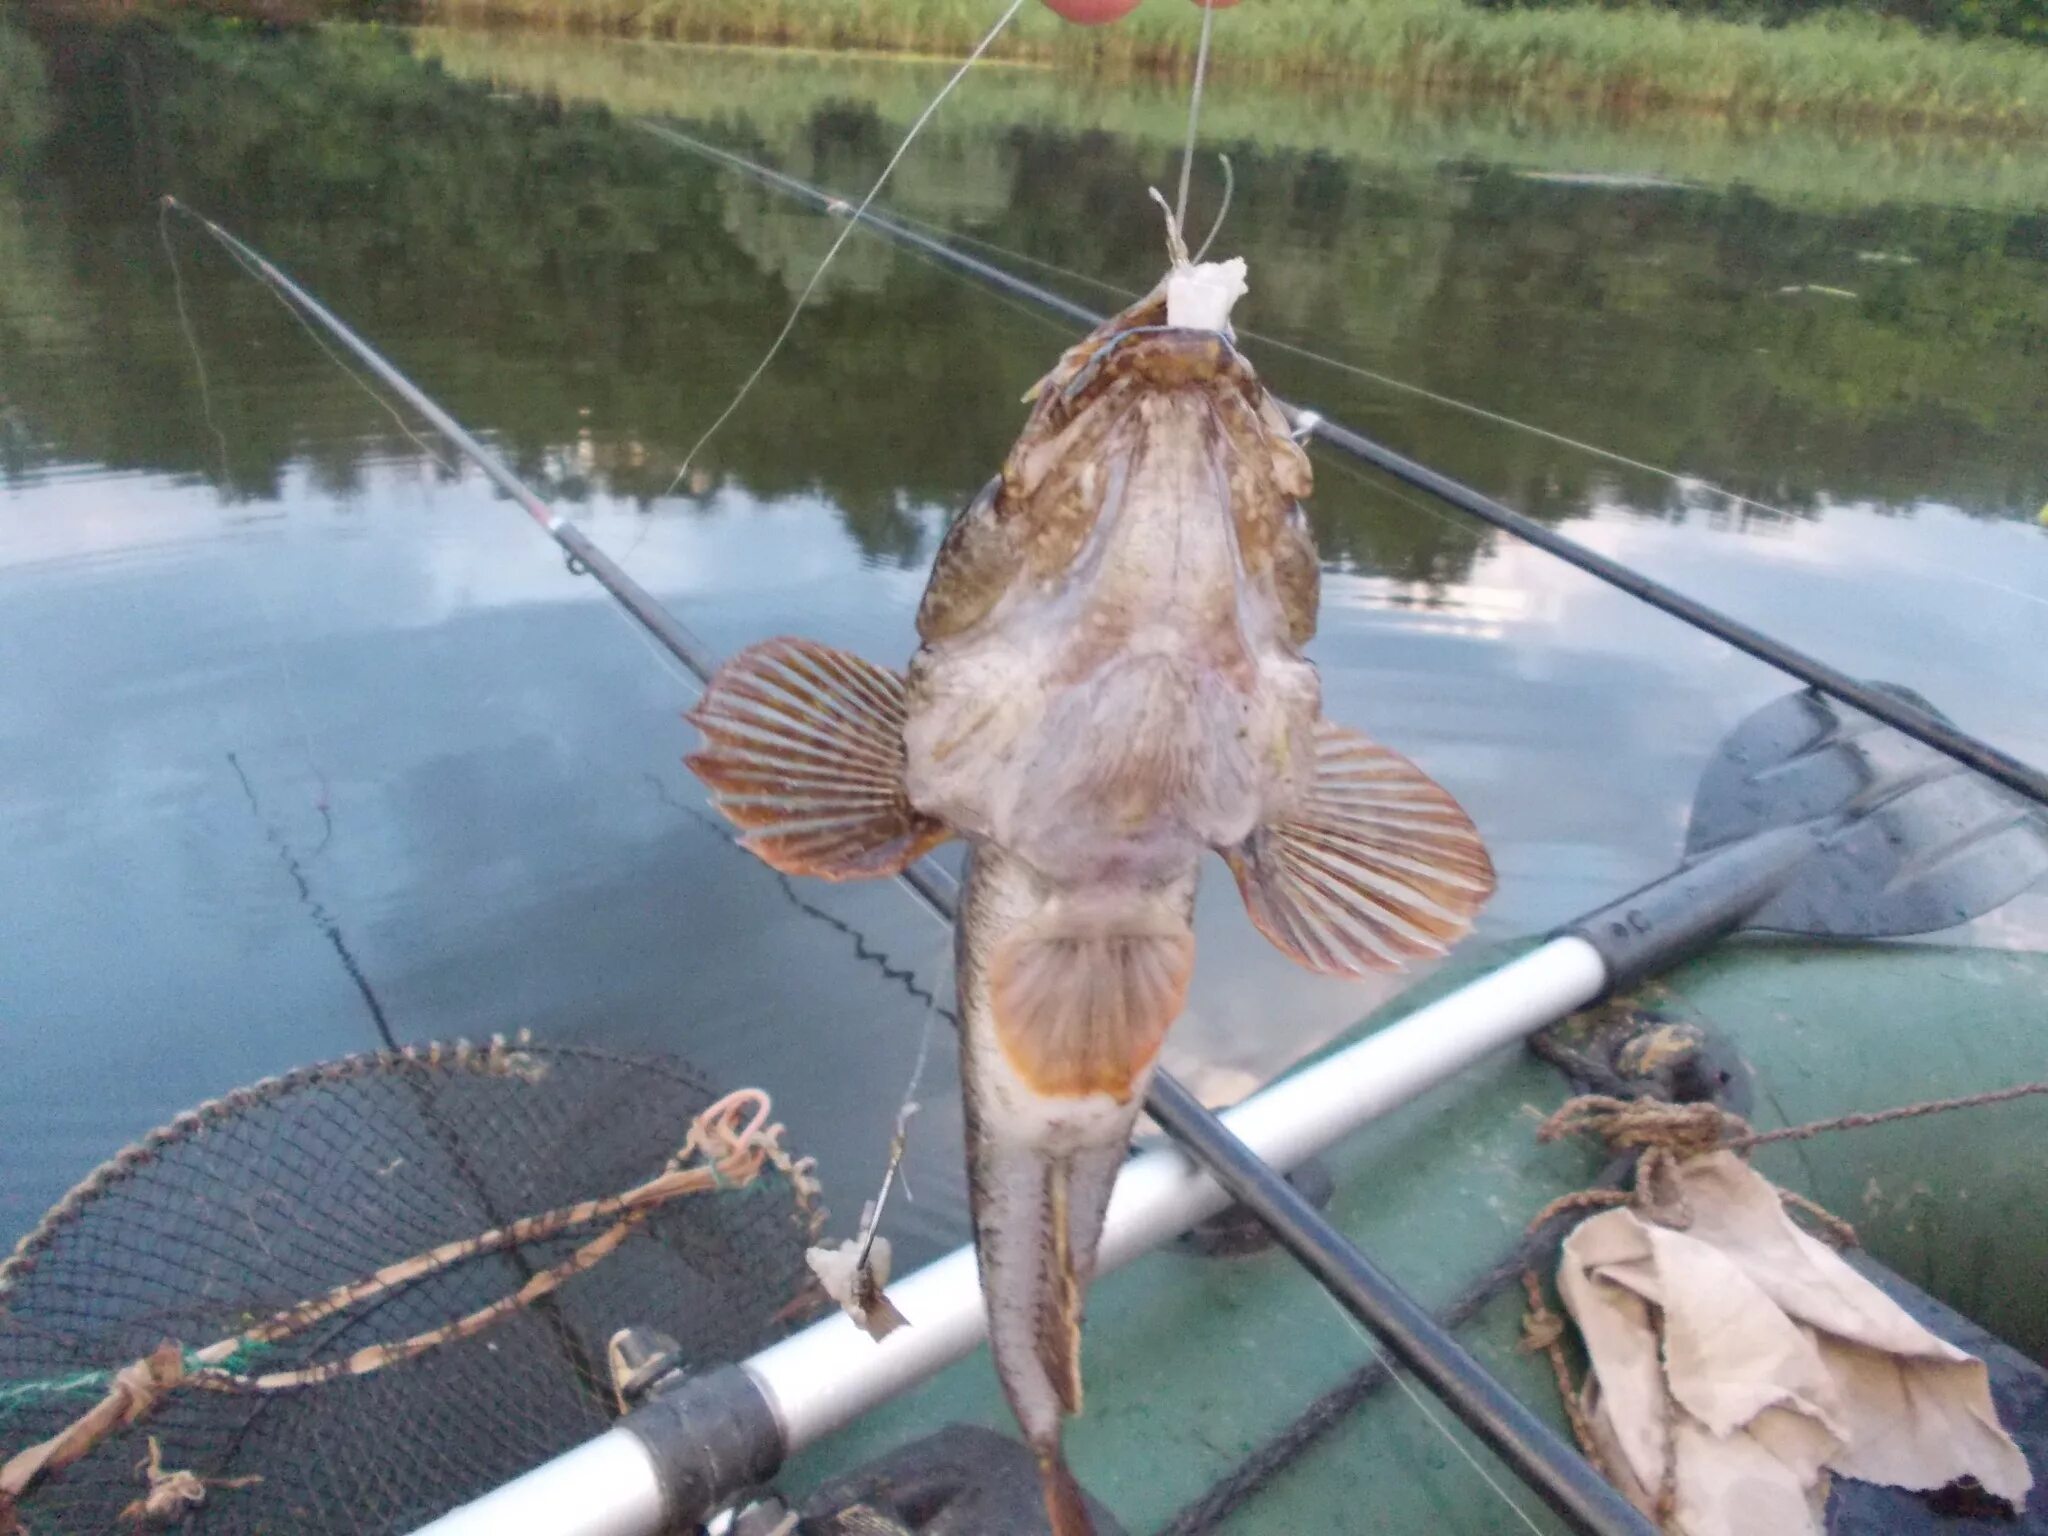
[
  {"x": 1066, "y": 1507},
  {"x": 1058, "y": 1332},
  {"x": 1082, "y": 1013},
  {"x": 1378, "y": 867},
  {"x": 804, "y": 748}
]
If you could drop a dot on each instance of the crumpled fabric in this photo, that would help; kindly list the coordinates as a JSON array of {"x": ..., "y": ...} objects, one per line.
[{"x": 1762, "y": 1364}]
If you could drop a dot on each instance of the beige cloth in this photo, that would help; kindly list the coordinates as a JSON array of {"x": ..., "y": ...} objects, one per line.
[{"x": 1782, "y": 1363}]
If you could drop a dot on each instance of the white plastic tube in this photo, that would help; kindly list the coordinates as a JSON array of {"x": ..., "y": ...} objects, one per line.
[
  {"x": 605, "y": 1487},
  {"x": 822, "y": 1379}
]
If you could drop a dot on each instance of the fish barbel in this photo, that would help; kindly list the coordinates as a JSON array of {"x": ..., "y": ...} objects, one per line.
[{"x": 1111, "y": 683}]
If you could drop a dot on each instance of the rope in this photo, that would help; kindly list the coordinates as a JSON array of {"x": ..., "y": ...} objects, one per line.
[
  {"x": 173, "y": 1494},
  {"x": 1857, "y": 1122},
  {"x": 1536, "y": 1249},
  {"x": 1661, "y": 1136},
  {"x": 1543, "y": 1332},
  {"x": 729, "y": 1145},
  {"x": 1664, "y": 1135},
  {"x": 1246, "y": 1480}
]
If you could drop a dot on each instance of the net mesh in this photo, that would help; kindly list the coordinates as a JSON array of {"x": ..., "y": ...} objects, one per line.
[{"x": 278, "y": 1193}]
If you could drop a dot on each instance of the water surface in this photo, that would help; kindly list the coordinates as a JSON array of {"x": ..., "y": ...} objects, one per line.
[{"x": 310, "y": 743}]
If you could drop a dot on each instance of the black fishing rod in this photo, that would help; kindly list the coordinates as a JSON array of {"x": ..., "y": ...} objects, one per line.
[
  {"x": 1542, "y": 1458},
  {"x": 1921, "y": 725}
]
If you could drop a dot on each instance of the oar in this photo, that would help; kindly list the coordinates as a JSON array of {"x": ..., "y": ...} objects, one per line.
[{"x": 1810, "y": 819}]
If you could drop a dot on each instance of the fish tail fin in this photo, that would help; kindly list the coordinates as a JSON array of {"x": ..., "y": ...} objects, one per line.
[{"x": 1066, "y": 1507}]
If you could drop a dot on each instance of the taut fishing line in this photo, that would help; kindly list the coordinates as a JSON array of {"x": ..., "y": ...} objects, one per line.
[
  {"x": 1683, "y": 482},
  {"x": 1430, "y": 1416},
  {"x": 796, "y": 311},
  {"x": 1187, "y": 153}
]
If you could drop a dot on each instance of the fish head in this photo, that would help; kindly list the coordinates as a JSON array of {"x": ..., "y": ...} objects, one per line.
[
  {"x": 1155, "y": 479},
  {"x": 1111, "y": 682},
  {"x": 1111, "y": 679}
]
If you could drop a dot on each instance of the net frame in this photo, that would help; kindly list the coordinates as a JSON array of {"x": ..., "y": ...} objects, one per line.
[{"x": 435, "y": 1368}]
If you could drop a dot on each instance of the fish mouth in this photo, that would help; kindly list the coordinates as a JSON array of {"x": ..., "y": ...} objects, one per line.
[{"x": 1160, "y": 357}]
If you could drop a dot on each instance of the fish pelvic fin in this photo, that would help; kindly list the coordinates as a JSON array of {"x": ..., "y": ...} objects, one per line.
[
  {"x": 1379, "y": 866},
  {"x": 804, "y": 750},
  {"x": 1079, "y": 1010},
  {"x": 1066, "y": 1508}
]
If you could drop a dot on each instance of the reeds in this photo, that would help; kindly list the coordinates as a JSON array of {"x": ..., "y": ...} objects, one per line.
[{"x": 1838, "y": 65}]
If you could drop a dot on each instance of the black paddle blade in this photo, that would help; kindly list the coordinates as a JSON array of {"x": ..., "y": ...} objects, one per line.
[{"x": 1905, "y": 839}]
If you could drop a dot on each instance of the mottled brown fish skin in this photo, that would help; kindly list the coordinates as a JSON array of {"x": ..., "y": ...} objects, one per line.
[{"x": 1111, "y": 684}]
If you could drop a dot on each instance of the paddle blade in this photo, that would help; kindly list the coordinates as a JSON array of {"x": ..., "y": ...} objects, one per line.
[{"x": 1906, "y": 840}]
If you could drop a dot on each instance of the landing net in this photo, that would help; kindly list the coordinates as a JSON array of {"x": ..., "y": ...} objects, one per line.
[{"x": 355, "y": 1296}]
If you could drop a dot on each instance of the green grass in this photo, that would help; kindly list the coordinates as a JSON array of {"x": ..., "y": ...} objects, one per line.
[
  {"x": 1839, "y": 66},
  {"x": 771, "y": 97}
]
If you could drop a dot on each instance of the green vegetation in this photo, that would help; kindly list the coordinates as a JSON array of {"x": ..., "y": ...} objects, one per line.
[
  {"x": 1835, "y": 64},
  {"x": 24, "y": 101},
  {"x": 2024, "y": 19},
  {"x": 531, "y": 259},
  {"x": 773, "y": 95}
]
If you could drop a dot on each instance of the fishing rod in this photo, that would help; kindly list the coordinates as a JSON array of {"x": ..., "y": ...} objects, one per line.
[
  {"x": 1808, "y": 820},
  {"x": 1541, "y": 1457},
  {"x": 1919, "y": 724}
]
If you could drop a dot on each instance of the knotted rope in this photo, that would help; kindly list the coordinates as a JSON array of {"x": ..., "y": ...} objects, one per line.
[
  {"x": 173, "y": 1494},
  {"x": 727, "y": 1147},
  {"x": 1663, "y": 1136}
]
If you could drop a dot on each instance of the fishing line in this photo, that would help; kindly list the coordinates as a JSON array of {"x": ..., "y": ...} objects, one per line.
[
  {"x": 1400, "y": 1379},
  {"x": 1683, "y": 481},
  {"x": 163, "y": 233},
  {"x": 334, "y": 357},
  {"x": 899, "y": 1137},
  {"x": 1187, "y": 153},
  {"x": 1357, "y": 370},
  {"x": 323, "y": 799},
  {"x": 796, "y": 312},
  {"x": 1223, "y": 211}
]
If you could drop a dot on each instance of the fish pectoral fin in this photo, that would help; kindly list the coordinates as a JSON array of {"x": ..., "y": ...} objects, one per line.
[
  {"x": 804, "y": 749},
  {"x": 1082, "y": 1013},
  {"x": 1378, "y": 867}
]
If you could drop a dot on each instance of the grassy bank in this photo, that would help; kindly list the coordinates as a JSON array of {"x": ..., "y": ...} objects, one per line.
[
  {"x": 772, "y": 96},
  {"x": 1840, "y": 66}
]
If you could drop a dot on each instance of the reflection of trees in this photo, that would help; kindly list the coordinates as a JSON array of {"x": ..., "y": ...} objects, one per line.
[
  {"x": 25, "y": 104},
  {"x": 593, "y": 298}
]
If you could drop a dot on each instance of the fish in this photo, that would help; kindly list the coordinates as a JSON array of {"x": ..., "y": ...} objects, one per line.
[{"x": 1110, "y": 684}]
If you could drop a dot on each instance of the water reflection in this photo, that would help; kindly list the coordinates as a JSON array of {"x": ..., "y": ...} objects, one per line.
[{"x": 303, "y": 731}]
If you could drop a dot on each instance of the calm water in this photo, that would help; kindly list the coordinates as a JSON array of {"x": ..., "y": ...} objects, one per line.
[{"x": 308, "y": 742}]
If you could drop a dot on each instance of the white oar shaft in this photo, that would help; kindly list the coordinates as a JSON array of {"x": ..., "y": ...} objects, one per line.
[{"x": 822, "y": 1379}]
